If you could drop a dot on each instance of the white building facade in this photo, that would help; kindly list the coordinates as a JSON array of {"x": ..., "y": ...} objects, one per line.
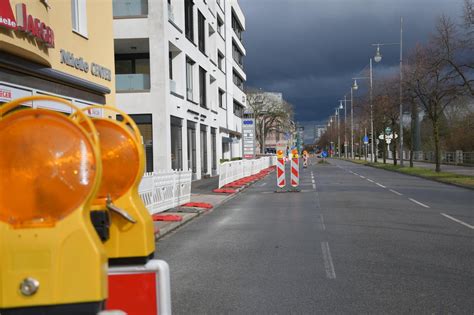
[{"x": 179, "y": 73}]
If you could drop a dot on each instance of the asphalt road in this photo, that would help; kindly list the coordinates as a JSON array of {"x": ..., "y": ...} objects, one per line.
[{"x": 357, "y": 240}]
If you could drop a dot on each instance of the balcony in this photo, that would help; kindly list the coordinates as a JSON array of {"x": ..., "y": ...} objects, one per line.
[
  {"x": 170, "y": 13},
  {"x": 133, "y": 82},
  {"x": 130, "y": 8}
]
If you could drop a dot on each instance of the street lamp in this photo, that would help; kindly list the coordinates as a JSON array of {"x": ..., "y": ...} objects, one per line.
[
  {"x": 378, "y": 58},
  {"x": 356, "y": 87}
]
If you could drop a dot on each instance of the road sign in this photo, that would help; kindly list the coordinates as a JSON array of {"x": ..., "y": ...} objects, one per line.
[
  {"x": 248, "y": 135},
  {"x": 324, "y": 154},
  {"x": 388, "y": 130},
  {"x": 366, "y": 140}
]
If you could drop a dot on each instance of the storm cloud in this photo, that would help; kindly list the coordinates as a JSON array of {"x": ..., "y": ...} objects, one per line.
[{"x": 310, "y": 49}]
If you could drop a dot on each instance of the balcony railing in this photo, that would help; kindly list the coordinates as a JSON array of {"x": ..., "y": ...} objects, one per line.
[
  {"x": 124, "y": 8},
  {"x": 132, "y": 82}
]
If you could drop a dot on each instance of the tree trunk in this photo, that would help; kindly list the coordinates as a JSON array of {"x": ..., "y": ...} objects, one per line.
[
  {"x": 394, "y": 144},
  {"x": 384, "y": 152},
  {"x": 436, "y": 140}
]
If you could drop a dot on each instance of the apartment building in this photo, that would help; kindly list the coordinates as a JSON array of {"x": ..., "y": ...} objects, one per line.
[
  {"x": 59, "y": 48},
  {"x": 179, "y": 73}
]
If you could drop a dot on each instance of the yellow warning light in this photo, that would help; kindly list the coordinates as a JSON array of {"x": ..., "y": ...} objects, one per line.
[
  {"x": 280, "y": 154},
  {"x": 130, "y": 233},
  {"x": 50, "y": 170},
  {"x": 294, "y": 152},
  {"x": 46, "y": 174},
  {"x": 120, "y": 159}
]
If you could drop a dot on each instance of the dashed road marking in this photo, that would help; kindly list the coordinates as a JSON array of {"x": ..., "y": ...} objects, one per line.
[
  {"x": 328, "y": 264},
  {"x": 419, "y": 203},
  {"x": 314, "y": 186},
  {"x": 458, "y": 221},
  {"x": 323, "y": 226},
  {"x": 361, "y": 176},
  {"x": 370, "y": 180},
  {"x": 396, "y": 192},
  {"x": 380, "y": 185},
  {"x": 262, "y": 184}
]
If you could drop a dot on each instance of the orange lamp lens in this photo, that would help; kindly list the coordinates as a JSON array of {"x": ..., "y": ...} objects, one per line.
[
  {"x": 294, "y": 152},
  {"x": 279, "y": 152},
  {"x": 47, "y": 168},
  {"x": 120, "y": 159}
]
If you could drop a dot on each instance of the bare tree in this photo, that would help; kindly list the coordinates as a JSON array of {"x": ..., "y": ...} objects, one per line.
[
  {"x": 431, "y": 82},
  {"x": 272, "y": 114}
]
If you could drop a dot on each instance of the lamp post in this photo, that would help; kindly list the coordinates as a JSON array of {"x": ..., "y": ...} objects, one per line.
[
  {"x": 378, "y": 58},
  {"x": 352, "y": 124},
  {"x": 355, "y": 87}
]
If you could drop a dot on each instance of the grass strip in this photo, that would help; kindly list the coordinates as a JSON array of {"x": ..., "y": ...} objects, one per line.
[{"x": 443, "y": 177}]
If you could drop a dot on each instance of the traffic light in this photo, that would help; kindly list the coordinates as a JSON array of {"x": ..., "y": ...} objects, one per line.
[
  {"x": 118, "y": 213},
  {"x": 51, "y": 258}
]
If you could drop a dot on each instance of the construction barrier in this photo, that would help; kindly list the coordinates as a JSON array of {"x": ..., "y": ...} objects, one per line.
[
  {"x": 295, "y": 172},
  {"x": 281, "y": 181},
  {"x": 141, "y": 289},
  {"x": 235, "y": 170},
  {"x": 165, "y": 190}
]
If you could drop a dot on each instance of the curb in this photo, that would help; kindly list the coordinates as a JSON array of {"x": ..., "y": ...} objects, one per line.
[
  {"x": 187, "y": 217},
  {"x": 414, "y": 175}
]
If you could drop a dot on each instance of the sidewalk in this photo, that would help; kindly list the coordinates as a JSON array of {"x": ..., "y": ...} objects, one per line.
[
  {"x": 201, "y": 192},
  {"x": 461, "y": 170}
]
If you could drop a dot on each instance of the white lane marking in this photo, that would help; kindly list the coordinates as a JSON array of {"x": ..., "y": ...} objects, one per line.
[
  {"x": 323, "y": 226},
  {"x": 380, "y": 185},
  {"x": 361, "y": 176},
  {"x": 356, "y": 174},
  {"x": 262, "y": 184},
  {"x": 370, "y": 180},
  {"x": 314, "y": 186},
  {"x": 458, "y": 221},
  {"x": 328, "y": 265},
  {"x": 396, "y": 192},
  {"x": 312, "y": 180},
  {"x": 419, "y": 203}
]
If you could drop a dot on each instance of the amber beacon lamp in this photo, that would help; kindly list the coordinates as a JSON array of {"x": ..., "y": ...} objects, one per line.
[
  {"x": 52, "y": 261},
  {"x": 118, "y": 213}
]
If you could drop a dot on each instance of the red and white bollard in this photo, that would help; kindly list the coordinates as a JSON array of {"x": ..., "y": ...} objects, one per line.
[
  {"x": 295, "y": 171},
  {"x": 281, "y": 181}
]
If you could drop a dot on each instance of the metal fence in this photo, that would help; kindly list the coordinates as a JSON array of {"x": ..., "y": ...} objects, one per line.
[
  {"x": 235, "y": 170},
  {"x": 165, "y": 190},
  {"x": 454, "y": 158}
]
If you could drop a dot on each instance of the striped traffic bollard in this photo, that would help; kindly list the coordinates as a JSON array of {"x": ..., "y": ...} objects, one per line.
[
  {"x": 280, "y": 173},
  {"x": 295, "y": 172}
]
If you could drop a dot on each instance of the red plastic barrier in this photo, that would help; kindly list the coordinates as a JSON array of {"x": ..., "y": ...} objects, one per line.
[
  {"x": 167, "y": 217},
  {"x": 198, "y": 205}
]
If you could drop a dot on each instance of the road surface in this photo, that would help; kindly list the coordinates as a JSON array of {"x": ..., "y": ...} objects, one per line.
[{"x": 354, "y": 240}]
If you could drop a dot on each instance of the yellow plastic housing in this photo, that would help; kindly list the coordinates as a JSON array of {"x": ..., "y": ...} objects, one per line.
[
  {"x": 50, "y": 171},
  {"x": 123, "y": 162}
]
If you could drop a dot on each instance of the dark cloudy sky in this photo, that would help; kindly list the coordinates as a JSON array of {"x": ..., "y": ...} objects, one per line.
[{"x": 310, "y": 49}]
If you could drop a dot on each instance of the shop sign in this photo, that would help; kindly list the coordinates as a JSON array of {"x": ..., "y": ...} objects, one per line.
[
  {"x": 25, "y": 23},
  {"x": 79, "y": 63},
  {"x": 8, "y": 93}
]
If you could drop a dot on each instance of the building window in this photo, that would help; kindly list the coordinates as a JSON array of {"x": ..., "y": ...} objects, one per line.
[
  {"x": 214, "y": 149},
  {"x": 236, "y": 26},
  {"x": 189, "y": 79},
  {"x": 170, "y": 64},
  {"x": 238, "y": 110},
  {"x": 79, "y": 17},
  {"x": 237, "y": 55},
  {"x": 201, "y": 33},
  {"x": 203, "y": 140},
  {"x": 122, "y": 8},
  {"x": 188, "y": 19},
  {"x": 176, "y": 143},
  {"x": 238, "y": 81},
  {"x": 145, "y": 125},
  {"x": 220, "y": 60},
  {"x": 132, "y": 72},
  {"x": 220, "y": 26},
  {"x": 221, "y": 98},
  {"x": 191, "y": 134},
  {"x": 202, "y": 88}
]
